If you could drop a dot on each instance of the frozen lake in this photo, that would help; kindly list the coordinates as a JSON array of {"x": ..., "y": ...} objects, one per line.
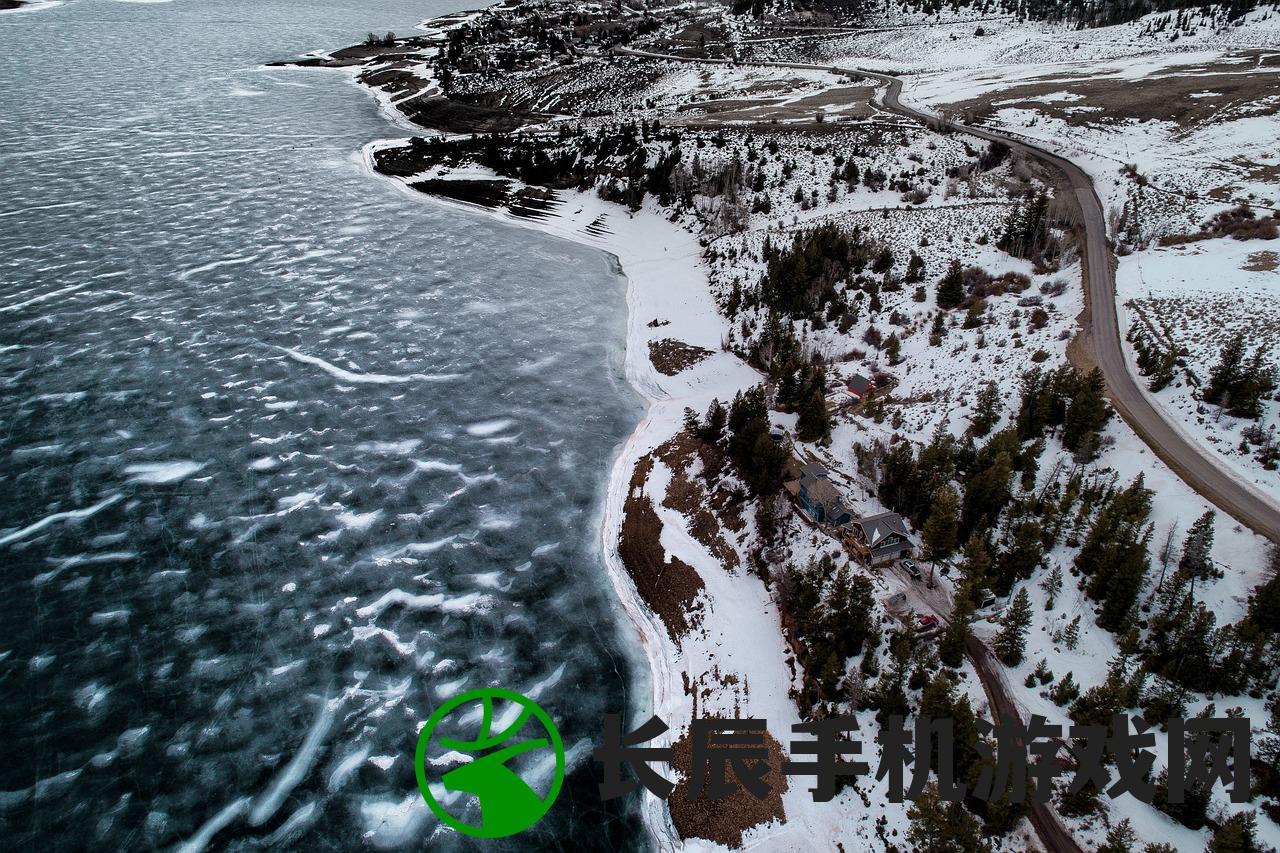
[{"x": 283, "y": 450}]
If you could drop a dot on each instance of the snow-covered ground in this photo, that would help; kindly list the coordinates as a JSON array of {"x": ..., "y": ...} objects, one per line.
[{"x": 1198, "y": 295}]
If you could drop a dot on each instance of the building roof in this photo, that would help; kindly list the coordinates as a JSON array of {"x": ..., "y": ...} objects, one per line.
[
  {"x": 858, "y": 384},
  {"x": 813, "y": 471},
  {"x": 822, "y": 491},
  {"x": 876, "y": 528}
]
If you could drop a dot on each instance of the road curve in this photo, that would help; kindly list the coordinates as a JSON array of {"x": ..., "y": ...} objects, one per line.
[{"x": 1209, "y": 477}]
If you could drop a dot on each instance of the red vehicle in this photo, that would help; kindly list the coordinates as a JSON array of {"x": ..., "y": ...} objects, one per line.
[{"x": 927, "y": 622}]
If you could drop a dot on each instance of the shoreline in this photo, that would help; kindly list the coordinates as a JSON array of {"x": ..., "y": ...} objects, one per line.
[{"x": 647, "y": 276}]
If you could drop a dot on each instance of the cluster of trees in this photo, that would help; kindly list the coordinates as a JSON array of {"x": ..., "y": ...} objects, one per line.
[
  {"x": 799, "y": 378},
  {"x": 1114, "y": 557},
  {"x": 1027, "y": 234},
  {"x": 800, "y": 279},
  {"x": 1237, "y": 385},
  {"x": 831, "y": 615},
  {"x": 1063, "y": 398},
  {"x": 1156, "y": 362},
  {"x": 742, "y": 430}
]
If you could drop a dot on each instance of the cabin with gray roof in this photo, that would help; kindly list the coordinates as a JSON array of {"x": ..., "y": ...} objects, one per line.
[{"x": 879, "y": 538}]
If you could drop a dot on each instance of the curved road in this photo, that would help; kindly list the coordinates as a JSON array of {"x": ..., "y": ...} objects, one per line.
[{"x": 1196, "y": 466}]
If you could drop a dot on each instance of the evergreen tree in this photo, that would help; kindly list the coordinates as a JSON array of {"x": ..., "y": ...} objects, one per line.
[
  {"x": 893, "y": 348},
  {"x": 1086, "y": 414},
  {"x": 1239, "y": 387},
  {"x": 1066, "y": 690},
  {"x": 1196, "y": 561},
  {"x": 986, "y": 410},
  {"x": 1120, "y": 839},
  {"x": 951, "y": 288},
  {"x": 883, "y": 262},
  {"x": 814, "y": 423},
  {"x": 1052, "y": 585},
  {"x": 1071, "y": 635},
  {"x": 951, "y": 648},
  {"x": 940, "y": 531},
  {"x": 1011, "y": 642},
  {"x": 1226, "y": 375},
  {"x": 943, "y": 827},
  {"x": 915, "y": 268},
  {"x": 712, "y": 430},
  {"x": 1114, "y": 555},
  {"x": 1020, "y": 559}
]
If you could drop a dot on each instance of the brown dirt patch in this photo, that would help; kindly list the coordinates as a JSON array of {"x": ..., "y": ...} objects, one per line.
[
  {"x": 481, "y": 192},
  {"x": 688, "y": 494},
  {"x": 1262, "y": 262},
  {"x": 1240, "y": 94},
  {"x": 724, "y": 821},
  {"x": 671, "y": 356},
  {"x": 471, "y": 114},
  {"x": 670, "y": 587}
]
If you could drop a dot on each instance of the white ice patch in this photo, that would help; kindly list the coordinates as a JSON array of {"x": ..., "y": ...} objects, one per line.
[
  {"x": 391, "y": 824},
  {"x": 296, "y": 770},
  {"x": 229, "y": 814},
  {"x": 347, "y": 766},
  {"x": 490, "y": 427},
  {"x": 365, "y": 378},
  {"x": 359, "y": 520},
  {"x": 428, "y": 601},
  {"x": 160, "y": 473},
  {"x": 70, "y": 515},
  {"x": 393, "y": 448}
]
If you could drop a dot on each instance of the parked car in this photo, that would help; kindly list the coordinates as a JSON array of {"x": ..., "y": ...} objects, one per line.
[
  {"x": 927, "y": 622},
  {"x": 912, "y": 569},
  {"x": 897, "y": 600}
]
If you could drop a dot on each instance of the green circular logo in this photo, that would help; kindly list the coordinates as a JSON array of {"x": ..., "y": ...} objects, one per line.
[{"x": 499, "y": 770}]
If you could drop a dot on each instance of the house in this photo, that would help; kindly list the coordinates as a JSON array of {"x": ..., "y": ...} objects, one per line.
[
  {"x": 859, "y": 386},
  {"x": 879, "y": 537},
  {"x": 818, "y": 497}
]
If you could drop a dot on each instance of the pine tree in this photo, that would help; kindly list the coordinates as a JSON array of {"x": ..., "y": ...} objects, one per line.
[
  {"x": 941, "y": 528},
  {"x": 1086, "y": 414},
  {"x": 893, "y": 348},
  {"x": 1196, "y": 561},
  {"x": 714, "y": 423},
  {"x": 1011, "y": 642},
  {"x": 814, "y": 423},
  {"x": 986, "y": 410},
  {"x": 1064, "y": 691},
  {"x": 915, "y": 268},
  {"x": 883, "y": 262},
  {"x": 1120, "y": 839},
  {"x": 691, "y": 423},
  {"x": 951, "y": 288},
  {"x": 1052, "y": 585},
  {"x": 1071, "y": 636},
  {"x": 1114, "y": 555},
  {"x": 943, "y": 827},
  {"x": 1225, "y": 376},
  {"x": 1020, "y": 559},
  {"x": 951, "y": 648}
]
